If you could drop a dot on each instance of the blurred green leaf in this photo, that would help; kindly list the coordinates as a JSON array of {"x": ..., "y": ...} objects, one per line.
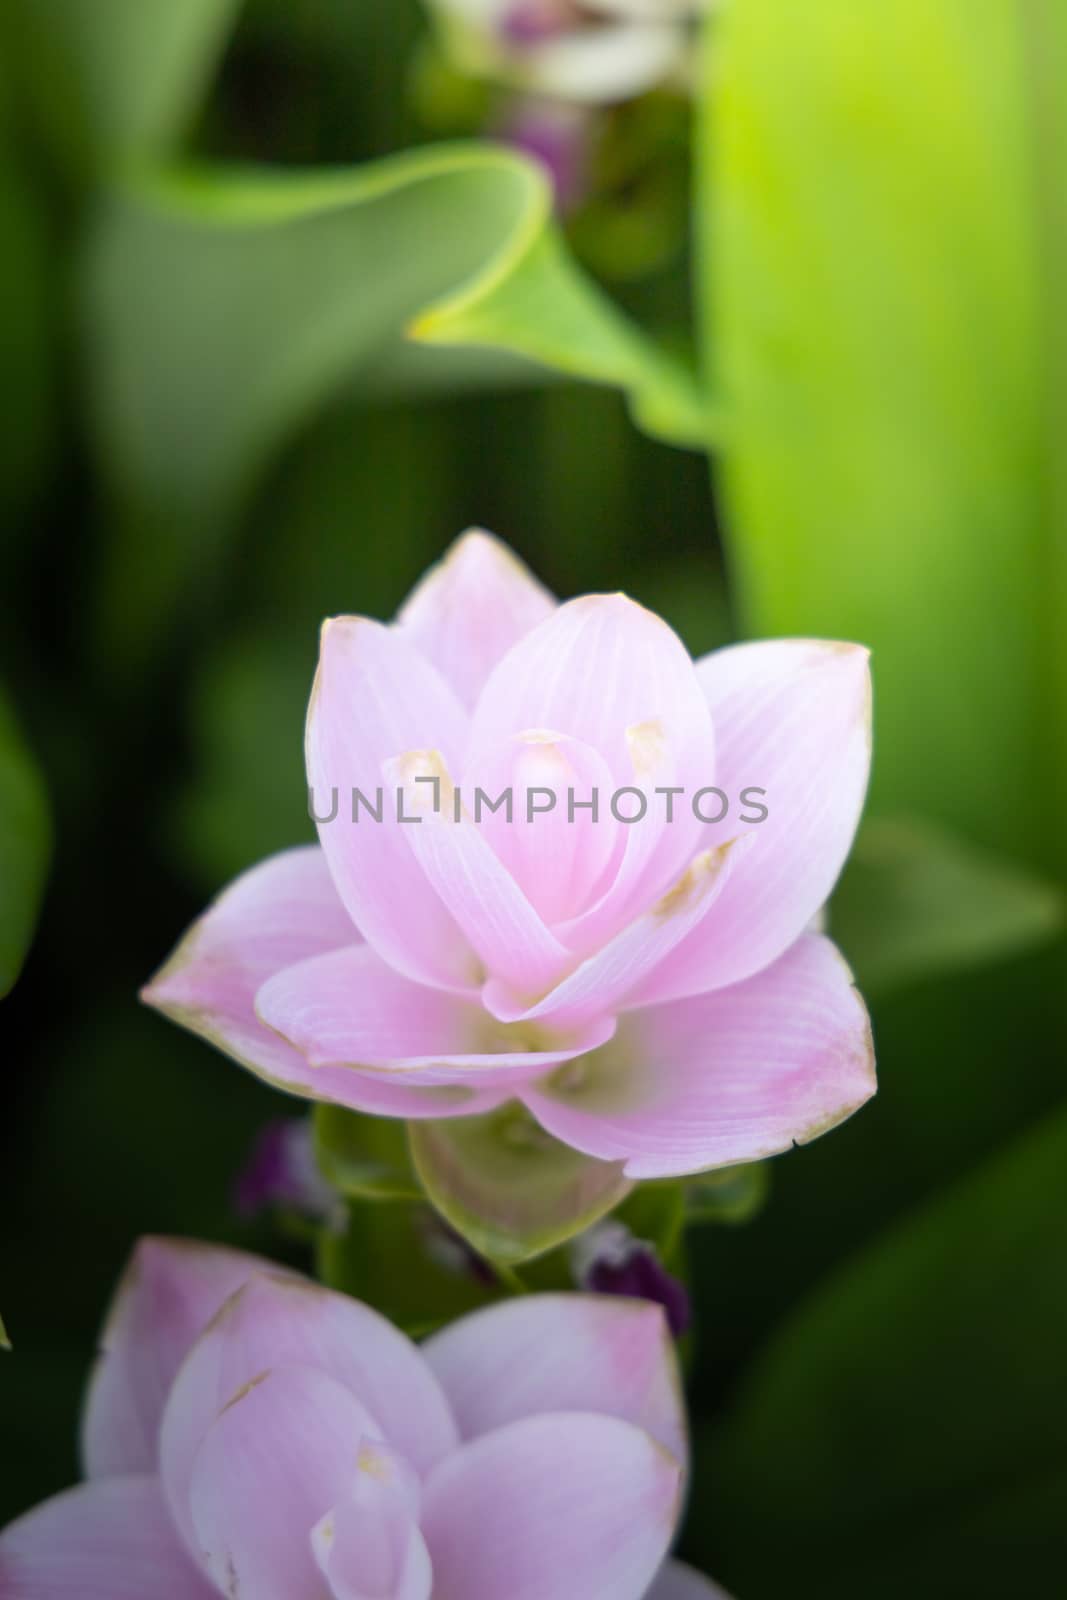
[
  {"x": 915, "y": 902},
  {"x": 885, "y": 243},
  {"x": 245, "y": 795},
  {"x": 249, "y": 797},
  {"x": 27, "y": 279},
  {"x": 365, "y": 1157},
  {"x": 909, "y": 1420},
  {"x": 731, "y": 1195},
  {"x": 634, "y": 220},
  {"x": 25, "y": 846},
  {"x": 424, "y": 371},
  {"x": 883, "y": 252},
  {"x": 120, "y": 78},
  {"x": 509, "y": 1188},
  {"x": 222, "y": 308},
  {"x": 689, "y": 593},
  {"x": 5, "y": 1342}
]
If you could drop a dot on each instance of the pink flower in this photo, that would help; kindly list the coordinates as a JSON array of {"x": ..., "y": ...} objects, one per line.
[
  {"x": 585, "y": 52},
  {"x": 250, "y": 1434},
  {"x": 650, "y": 989}
]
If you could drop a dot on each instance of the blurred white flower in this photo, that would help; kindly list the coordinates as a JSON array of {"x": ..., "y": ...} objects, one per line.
[{"x": 587, "y": 52}]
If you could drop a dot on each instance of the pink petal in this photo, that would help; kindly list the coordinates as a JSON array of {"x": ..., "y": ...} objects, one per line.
[
  {"x": 726, "y": 1077},
  {"x": 349, "y": 1010},
  {"x": 657, "y": 847},
  {"x": 350, "y": 1007},
  {"x": 491, "y": 909},
  {"x": 266, "y": 923},
  {"x": 374, "y": 698},
  {"x": 678, "y": 1582},
  {"x": 792, "y": 717},
  {"x": 607, "y": 672},
  {"x": 555, "y": 848},
  {"x": 412, "y": 1098},
  {"x": 469, "y": 609},
  {"x": 598, "y": 667},
  {"x": 280, "y": 1453},
  {"x": 551, "y": 1508},
  {"x": 275, "y": 1323},
  {"x": 370, "y": 1544},
  {"x": 111, "y": 1540},
  {"x": 562, "y": 1352},
  {"x": 168, "y": 1294},
  {"x": 605, "y": 980},
  {"x": 280, "y": 912}
]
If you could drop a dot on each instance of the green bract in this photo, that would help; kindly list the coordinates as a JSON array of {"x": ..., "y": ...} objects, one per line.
[{"x": 507, "y": 1186}]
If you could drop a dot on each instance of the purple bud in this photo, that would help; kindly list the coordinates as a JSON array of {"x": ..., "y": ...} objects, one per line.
[
  {"x": 281, "y": 1171},
  {"x": 530, "y": 22},
  {"x": 557, "y": 136},
  {"x": 608, "y": 1259}
]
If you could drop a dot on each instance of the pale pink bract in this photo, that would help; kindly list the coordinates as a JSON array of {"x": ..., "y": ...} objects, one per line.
[
  {"x": 652, "y": 992},
  {"x": 250, "y": 1434}
]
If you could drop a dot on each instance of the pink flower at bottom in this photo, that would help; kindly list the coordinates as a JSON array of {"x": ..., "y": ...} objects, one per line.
[
  {"x": 642, "y": 976},
  {"x": 250, "y": 1434}
]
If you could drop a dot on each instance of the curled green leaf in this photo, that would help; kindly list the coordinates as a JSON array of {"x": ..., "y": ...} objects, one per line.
[
  {"x": 223, "y": 307},
  {"x": 119, "y": 78}
]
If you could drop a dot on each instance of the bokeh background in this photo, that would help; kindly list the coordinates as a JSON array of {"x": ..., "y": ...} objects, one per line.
[{"x": 870, "y": 287}]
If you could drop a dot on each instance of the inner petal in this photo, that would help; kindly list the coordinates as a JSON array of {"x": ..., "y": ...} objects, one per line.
[
  {"x": 544, "y": 804},
  {"x": 369, "y": 1546}
]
